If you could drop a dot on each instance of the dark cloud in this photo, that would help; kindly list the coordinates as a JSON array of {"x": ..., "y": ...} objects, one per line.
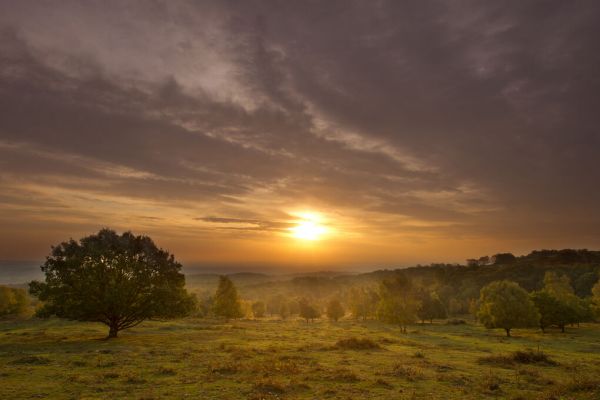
[{"x": 444, "y": 118}]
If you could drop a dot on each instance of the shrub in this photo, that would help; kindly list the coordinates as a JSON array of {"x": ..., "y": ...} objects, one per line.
[
  {"x": 356, "y": 344},
  {"x": 456, "y": 322},
  {"x": 527, "y": 356},
  {"x": 406, "y": 372}
]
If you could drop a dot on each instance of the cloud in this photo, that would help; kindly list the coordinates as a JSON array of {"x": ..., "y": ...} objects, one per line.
[
  {"x": 434, "y": 120},
  {"x": 248, "y": 224}
]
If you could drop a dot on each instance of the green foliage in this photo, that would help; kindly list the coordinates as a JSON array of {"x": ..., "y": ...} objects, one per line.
[
  {"x": 13, "y": 302},
  {"x": 430, "y": 307},
  {"x": 335, "y": 310},
  {"x": 584, "y": 283},
  {"x": 363, "y": 302},
  {"x": 504, "y": 304},
  {"x": 308, "y": 311},
  {"x": 258, "y": 309},
  {"x": 503, "y": 258},
  {"x": 558, "y": 286},
  {"x": 226, "y": 301},
  {"x": 557, "y": 303},
  {"x": 553, "y": 312},
  {"x": 118, "y": 280},
  {"x": 397, "y": 304},
  {"x": 596, "y": 300}
]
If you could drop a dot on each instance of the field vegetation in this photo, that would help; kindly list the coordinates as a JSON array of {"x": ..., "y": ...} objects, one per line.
[
  {"x": 290, "y": 359},
  {"x": 501, "y": 326}
]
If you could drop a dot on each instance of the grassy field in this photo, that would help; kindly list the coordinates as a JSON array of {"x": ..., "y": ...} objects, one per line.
[{"x": 271, "y": 359}]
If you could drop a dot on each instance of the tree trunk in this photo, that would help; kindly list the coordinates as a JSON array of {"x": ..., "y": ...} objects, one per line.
[
  {"x": 507, "y": 332},
  {"x": 112, "y": 333},
  {"x": 562, "y": 328}
]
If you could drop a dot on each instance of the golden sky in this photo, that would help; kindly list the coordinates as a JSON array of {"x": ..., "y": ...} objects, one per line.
[{"x": 397, "y": 135}]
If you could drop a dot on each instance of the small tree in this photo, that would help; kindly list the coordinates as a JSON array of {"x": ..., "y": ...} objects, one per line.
[
  {"x": 566, "y": 307},
  {"x": 226, "y": 301},
  {"x": 274, "y": 304},
  {"x": 363, "y": 302},
  {"x": 284, "y": 310},
  {"x": 258, "y": 309},
  {"x": 118, "y": 280},
  {"x": 504, "y": 304},
  {"x": 430, "y": 307},
  {"x": 397, "y": 304},
  {"x": 335, "y": 310},
  {"x": 308, "y": 311}
]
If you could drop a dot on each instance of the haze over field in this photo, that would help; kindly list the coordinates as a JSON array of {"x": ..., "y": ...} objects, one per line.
[{"x": 301, "y": 134}]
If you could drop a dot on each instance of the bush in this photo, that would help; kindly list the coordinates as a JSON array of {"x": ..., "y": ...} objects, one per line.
[
  {"x": 406, "y": 372},
  {"x": 456, "y": 322},
  {"x": 13, "y": 302},
  {"x": 356, "y": 344},
  {"x": 527, "y": 356}
]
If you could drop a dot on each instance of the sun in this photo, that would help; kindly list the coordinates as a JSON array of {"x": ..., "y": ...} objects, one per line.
[{"x": 308, "y": 227}]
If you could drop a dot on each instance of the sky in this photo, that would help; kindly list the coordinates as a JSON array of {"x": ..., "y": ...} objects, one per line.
[{"x": 397, "y": 132}]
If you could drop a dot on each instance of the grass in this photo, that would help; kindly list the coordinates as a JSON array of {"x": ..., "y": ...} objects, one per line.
[{"x": 273, "y": 359}]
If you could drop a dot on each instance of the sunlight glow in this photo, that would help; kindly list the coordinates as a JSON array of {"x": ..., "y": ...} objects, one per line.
[{"x": 308, "y": 227}]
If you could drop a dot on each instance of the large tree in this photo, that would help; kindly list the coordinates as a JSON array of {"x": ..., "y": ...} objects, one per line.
[
  {"x": 118, "y": 280},
  {"x": 226, "y": 301},
  {"x": 506, "y": 305}
]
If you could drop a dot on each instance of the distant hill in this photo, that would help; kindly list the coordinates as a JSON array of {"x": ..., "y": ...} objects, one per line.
[{"x": 581, "y": 265}]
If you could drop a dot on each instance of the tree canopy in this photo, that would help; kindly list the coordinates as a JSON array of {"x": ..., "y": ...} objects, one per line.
[
  {"x": 504, "y": 304},
  {"x": 118, "y": 280},
  {"x": 335, "y": 310},
  {"x": 258, "y": 309},
  {"x": 430, "y": 307},
  {"x": 552, "y": 310},
  {"x": 397, "y": 304},
  {"x": 226, "y": 301},
  {"x": 308, "y": 311}
]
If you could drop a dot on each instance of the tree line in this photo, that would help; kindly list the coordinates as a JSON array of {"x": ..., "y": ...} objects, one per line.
[{"x": 122, "y": 280}]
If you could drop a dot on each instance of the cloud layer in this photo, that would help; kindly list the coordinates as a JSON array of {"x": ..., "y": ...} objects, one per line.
[{"x": 420, "y": 131}]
